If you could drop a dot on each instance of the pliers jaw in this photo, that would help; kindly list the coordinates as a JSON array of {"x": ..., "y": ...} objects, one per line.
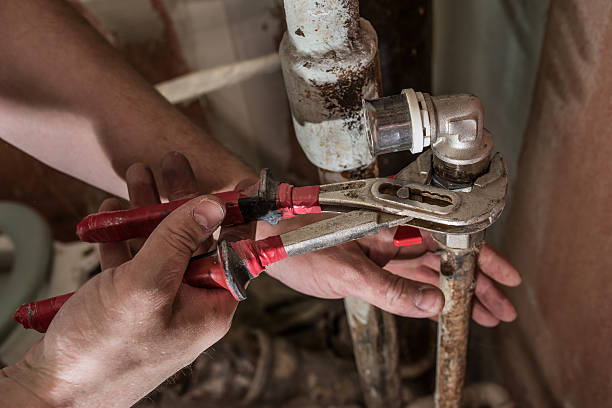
[{"x": 236, "y": 273}]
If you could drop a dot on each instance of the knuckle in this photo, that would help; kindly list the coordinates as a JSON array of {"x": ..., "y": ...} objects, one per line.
[{"x": 396, "y": 291}]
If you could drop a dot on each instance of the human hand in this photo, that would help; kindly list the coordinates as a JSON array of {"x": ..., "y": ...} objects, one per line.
[
  {"x": 402, "y": 280},
  {"x": 134, "y": 324}
]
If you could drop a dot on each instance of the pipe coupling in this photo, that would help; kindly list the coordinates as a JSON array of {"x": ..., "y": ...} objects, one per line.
[{"x": 452, "y": 125}]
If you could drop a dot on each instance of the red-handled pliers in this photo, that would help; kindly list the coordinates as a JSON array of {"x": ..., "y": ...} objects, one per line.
[{"x": 367, "y": 206}]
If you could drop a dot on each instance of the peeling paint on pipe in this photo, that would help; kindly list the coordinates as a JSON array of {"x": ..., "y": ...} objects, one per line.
[
  {"x": 330, "y": 63},
  {"x": 322, "y": 26}
]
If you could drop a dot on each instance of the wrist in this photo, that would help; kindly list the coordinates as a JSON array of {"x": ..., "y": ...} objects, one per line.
[{"x": 14, "y": 394}]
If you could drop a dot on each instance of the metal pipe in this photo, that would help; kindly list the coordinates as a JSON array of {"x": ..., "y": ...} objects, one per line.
[
  {"x": 457, "y": 282},
  {"x": 461, "y": 153},
  {"x": 317, "y": 27},
  {"x": 329, "y": 58},
  {"x": 461, "y": 150},
  {"x": 330, "y": 63}
]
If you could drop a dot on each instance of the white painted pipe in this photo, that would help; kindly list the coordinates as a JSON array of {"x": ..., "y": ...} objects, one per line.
[
  {"x": 319, "y": 26},
  {"x": 195, "y": 84},
  {"x": 329, "y": 58}
]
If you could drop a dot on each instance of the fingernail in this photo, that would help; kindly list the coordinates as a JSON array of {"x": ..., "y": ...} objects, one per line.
[
  {"x": 429, "y": 299},
  {"x": 209, "y": 214}
]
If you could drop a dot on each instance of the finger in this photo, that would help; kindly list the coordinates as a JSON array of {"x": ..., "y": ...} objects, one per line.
[
  {"x": 494, "y": 299},
  {"x": 162, "y": 261},
  {"x": 496, "y": 266},
  {"x": 179, "y": 179},
  {"x": 141, "y": 186},
  {"x": 113, "y": 254},
  {"x": 142, "y": 191},
  {"x": 394, "y": 293},
  {"x": 424, "y": 269},
  {"x": 482, "y": 316}
]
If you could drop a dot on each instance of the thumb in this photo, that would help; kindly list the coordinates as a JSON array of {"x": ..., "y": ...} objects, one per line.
[{"x": 161, "y": 262}]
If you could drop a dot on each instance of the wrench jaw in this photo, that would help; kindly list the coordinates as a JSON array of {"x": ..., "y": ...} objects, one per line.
[
  {"x": 479, "y": 208},
  {"x": 428, "y": 207}
]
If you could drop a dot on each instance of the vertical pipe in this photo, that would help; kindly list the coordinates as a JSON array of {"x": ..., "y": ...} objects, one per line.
[
  {"x": 457, "y": 282},
  {"x": 461, "y": 153},
  {"x": 376, "y": 350},
  {"x": 330, "y": 63}
]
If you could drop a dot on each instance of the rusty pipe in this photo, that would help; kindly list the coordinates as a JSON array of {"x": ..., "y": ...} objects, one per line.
[
  {"x": 329, "y": 59},
  {"x": 457, "y": 282},
  {"x": 457, "y": 263},
  {"x": 460, "y": 153}
]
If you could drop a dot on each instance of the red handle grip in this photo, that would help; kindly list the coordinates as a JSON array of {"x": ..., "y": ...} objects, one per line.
[
  {"x": 204, "y": 272},
  {"x": 111, "y": 226}
]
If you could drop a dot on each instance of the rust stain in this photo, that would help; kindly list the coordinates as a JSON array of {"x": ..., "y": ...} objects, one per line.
[
  {"x": 343, "y": 98},
  {"x": 365, "y": 172},
  {"x": 457, "y": 283}
]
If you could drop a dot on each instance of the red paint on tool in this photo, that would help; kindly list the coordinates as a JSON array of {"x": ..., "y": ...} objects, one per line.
[
  {"x": 111, "y": 226},
  {"x": 206, "y": 272},
  {"x": 270, "y": 250},
  {"x": 258, "y": 254},
  {"x": 38, "y": 315},
  {"x": 233, "y": 216},
  {"x": 292, "y": 201},
  {"x": 407, "y": 235},
  {"x": 121, "y": 225}
]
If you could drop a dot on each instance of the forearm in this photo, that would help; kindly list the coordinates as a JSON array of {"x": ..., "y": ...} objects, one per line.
[{"x": 68, "y": 99}]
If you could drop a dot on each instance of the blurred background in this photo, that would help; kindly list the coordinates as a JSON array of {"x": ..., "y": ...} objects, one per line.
[{"x": 543, "y": 73}]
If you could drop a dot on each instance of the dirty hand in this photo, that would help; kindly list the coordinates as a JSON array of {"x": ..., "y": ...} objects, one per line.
[
  {"x": 134, "y": 324},
  {"x": 402, "y": 281}
]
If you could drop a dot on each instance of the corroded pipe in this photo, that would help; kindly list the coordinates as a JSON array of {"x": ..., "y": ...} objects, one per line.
[
  {"x": 329, "y": 58},
  {"x": 457, "y": 282},
  {"x": 460, "y": 153}
]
